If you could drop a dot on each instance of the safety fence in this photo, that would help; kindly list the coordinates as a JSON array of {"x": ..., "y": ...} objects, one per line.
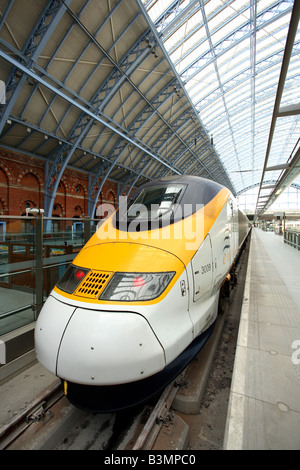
[{"x": 292, "y": 237}]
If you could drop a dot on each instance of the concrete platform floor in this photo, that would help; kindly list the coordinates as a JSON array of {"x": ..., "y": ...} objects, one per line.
[{"x": 264, "y": 408}]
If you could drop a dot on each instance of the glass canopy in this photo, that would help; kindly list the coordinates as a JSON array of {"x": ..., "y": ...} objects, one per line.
[{"x": 229, "y": 56}]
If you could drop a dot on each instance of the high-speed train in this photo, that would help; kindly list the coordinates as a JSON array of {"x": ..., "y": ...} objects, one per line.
[{"x": 141, "y": 298}]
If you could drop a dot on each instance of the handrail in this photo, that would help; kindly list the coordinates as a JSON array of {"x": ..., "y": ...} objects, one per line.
[{"x": 292, "y": 237}]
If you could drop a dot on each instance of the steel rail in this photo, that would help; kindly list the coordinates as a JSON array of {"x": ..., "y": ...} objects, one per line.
[
  {"x": 31, "y": 414},
  {"x": 147, "y": 437}
]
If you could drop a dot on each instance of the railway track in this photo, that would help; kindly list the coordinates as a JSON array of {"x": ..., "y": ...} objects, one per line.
[
  {"x": 51, "y": 422},
  {"x": 39, "y": 411}
]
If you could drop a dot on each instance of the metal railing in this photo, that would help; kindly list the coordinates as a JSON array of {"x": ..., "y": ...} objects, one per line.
[
  {"x": 292, "y": 237},
  {"x": 34, "y": 253}
]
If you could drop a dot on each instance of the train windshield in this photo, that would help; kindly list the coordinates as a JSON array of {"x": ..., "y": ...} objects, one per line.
[
  {"x": 154, "y": 202},
  {"x": 164, "y": 202}
]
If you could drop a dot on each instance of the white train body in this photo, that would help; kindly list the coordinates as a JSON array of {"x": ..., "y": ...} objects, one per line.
[{"x": 120, "y": 336}]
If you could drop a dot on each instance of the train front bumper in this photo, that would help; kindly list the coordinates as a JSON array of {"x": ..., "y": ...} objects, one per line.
[{"x": 96, "y": 347}]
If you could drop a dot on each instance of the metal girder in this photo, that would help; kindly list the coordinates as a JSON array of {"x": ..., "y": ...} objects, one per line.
[
  {"x": 31, "y": 51},
  {"x": 270, "y": 184},
  {"x": 266, "y": 17},
  {"x": 5, "y": 13},
  {"x": 63, "y": 84},
  {"x": 54, "y": 136},
  {"x": 254, "y": 25},
  {"x": 160, "y": 34},
  {"x": 174, "y": 25},
  {"x": 84, "y": 49},
  {"x": 192, "y": 140},
  {"x": 91, "y": 111},
  {"x": 160, "y": 100},
  {"x": 82, "y": 127},
  {"x": 109, "y": 87},
  {"x": 143, "y": 162},
  {"x": 86, "y": 111},
  {"x": 152, "y": 109},
  {"x": 182, "y": 155},
  {"x": 175, "y": 15},
  {"x": 189, "y": 162},
  {"x": 58, "y": 167},
  {"x": 283, "y": 73},
  {"x": 290, "y": 110},
  {"x": 283, "y": 182},
  {"x": 148, "y": 111},
  {"x": 140, "y": 121},
  {"x": 157, "y": 152},
  {"x": 214, "y": 60},
  {"x": 243, "y": 76}
]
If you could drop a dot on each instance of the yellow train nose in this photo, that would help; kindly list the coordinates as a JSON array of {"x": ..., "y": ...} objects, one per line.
[
  {"x": 121, "y": 272},
  {"x": 127, "y": 257}
]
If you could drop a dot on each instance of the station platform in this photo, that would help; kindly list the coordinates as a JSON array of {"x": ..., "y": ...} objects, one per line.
[{"x": 264, "y": 405}]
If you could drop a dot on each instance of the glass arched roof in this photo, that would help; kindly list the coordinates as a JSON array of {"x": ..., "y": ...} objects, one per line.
[
  {"x": 229, "y": 56},
  {"x": 132, "y": 90}
]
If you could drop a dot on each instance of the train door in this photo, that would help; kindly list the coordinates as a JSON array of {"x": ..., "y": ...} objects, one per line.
[
  {"x": 202, "y": 266},
  {"x": 201, "y": 300}
]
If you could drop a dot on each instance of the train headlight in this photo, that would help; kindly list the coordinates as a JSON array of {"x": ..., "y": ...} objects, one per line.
[
  {"x": 130, "y": 287},
  {"x": 71, "y": 278}
]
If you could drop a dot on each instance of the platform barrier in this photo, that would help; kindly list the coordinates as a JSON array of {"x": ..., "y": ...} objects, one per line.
[{"x": 292, "y": 237}]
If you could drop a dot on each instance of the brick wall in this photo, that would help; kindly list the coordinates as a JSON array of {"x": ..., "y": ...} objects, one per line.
[{"x": 22, "y": 182}]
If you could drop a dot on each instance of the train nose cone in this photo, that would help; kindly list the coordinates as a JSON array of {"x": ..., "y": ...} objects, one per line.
[
  {"x": 97, "y": 347},
  {"x": 106, "y": 348},
  {"x": 50, "y": 327}
]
